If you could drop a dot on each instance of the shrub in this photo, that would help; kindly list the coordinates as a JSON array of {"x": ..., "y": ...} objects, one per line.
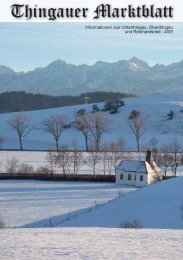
[
  {"x": 43, "y": 170},
  {"x": 107, "y": 105},
  {"x": 131, "y": 224},
  {"x": 121, "y": 103},
  {"x": 81, "y": 112},
  {"x": 95, "y": 108},
  {"x": 134, "y": 114},
  {"x": 114, "y": 109},
  {"x": 170, "y": 115},
  {"x": 2, "y": 223},
  {"x": 69, "y": 125},
  {"x": 25, "y": 169},
  {"x": 12, "y": 166}
]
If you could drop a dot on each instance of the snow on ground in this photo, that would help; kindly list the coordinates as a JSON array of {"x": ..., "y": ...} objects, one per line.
[
  {"x": 90, "y": 243},
  {"x": 23, "y": 202},
  {"x": 155, "y": 206},
  {"x": 155, "y": 108}
]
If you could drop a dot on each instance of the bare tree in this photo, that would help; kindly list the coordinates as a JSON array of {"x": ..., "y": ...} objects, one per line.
[
  {"x": 116, "y": 158},
  {"x": 104, "y": 157},
  {"x": 153, "y": 144},
  {"x": 45, "y": 170},
  {"x": 21, "y": 124},
  {"x": 54, "y": 125},
  {"x": 2, "y": 141},
  {"x": 12, "y": 166},
  {"x": 25, "y": 169},
  {"x": 137, "y": 125},
  {"x": 63, "y": 160},
  {"x": 165, "y": 158},
  {"x": 2, "y": 223},
  {"x": 92, "y": 160},
  {"x": 109, "y": 163},
  {"x": 50, "y": 157},
  {"x": 122, "y": 145},
  {"x": 117, "y": 152},
  {"x": 99, "y": 125},
  {"x": 82, "y": 123},
  {"x": 77, "y": 160},
  {"x": 175, "y": 148}
]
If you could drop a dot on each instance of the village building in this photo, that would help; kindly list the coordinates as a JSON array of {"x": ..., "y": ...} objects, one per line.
[{"x": 138, "y": 173}]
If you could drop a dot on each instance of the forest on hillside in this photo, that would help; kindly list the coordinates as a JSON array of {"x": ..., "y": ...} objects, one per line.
[{"x": 21, "y": 101}]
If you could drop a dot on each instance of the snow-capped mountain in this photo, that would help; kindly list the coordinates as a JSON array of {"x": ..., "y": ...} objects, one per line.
[{"x": 130, "y": 76}]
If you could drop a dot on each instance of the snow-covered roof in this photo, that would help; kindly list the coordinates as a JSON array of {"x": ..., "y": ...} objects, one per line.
[{"x": 137, "y": 166}]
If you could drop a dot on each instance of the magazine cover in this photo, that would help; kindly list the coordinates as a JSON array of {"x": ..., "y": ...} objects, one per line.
[{"x": 91, "y": 129}]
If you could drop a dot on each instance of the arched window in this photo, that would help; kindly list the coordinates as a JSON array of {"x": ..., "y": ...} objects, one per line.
[
  {"x": 129, "y": 177},
  {"x": 141, "y": 177}
]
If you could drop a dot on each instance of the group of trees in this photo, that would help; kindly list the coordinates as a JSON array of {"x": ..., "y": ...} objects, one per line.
[
  {"x": 72, "y": 161},
  {"x": 67, "y": 162},
  {"x": 169, "y": 156},
  {"x": 17, "y": 101},
  {"x": 92, "y": 126}
]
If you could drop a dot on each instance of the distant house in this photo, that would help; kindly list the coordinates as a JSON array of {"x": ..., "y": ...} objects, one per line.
[{"x": 138, "y": 173}]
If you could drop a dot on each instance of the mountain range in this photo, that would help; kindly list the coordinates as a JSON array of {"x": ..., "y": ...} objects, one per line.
[{"x": 127, "y": 76}]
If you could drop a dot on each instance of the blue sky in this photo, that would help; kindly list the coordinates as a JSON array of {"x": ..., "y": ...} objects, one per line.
[{"x": 25, "y": 46}]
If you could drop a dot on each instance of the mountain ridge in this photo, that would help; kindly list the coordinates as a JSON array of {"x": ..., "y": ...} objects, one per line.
[{"x": 129, "y": 76}]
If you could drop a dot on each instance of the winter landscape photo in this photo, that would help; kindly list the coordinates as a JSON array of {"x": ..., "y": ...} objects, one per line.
[{"x": 91, "y": 141}]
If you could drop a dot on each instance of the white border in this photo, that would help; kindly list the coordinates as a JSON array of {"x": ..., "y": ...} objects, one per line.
[{"x": 6, "y": 16}]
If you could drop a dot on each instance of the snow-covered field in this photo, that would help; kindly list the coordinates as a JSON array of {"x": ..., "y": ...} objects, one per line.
[
  {"x": 91, "y": 244},
  {"x": 75, "y": 204},
  {"x": 155, "y": 108},
  {"x": 24, "y": 202},
  {"x": 158, "y": 205}
]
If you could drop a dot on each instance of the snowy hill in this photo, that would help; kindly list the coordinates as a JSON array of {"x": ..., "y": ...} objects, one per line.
[
  {"x": 155, "y": 108},
  {"x": 156, "y": 206}
]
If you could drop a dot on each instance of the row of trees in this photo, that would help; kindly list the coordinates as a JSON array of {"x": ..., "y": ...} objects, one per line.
[
  {"x": 169, "y": 157},
  {"x": 91, "y": 125},
  {"x": 68, "y": 163}
]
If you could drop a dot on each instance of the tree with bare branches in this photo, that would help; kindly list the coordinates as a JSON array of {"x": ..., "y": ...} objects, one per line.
[
  {"x": 22, "y": 125},
  {"x": 104, "y": 157},
  {"x": 99, "y": 125},
  {"x": 77, "y": 160},
  {"x": 82, "y": 123},
  {"x": 50, "y": 157},
  {"x": 2, "y": 141},
  {"x": 12, "y": 166},
  {"x": 63, "y": 160},
  {"x": 54, "y": 125},
  {"x": 175, "y": 148},
  {"x": 92, "y": 160},
  {"x": 164, "y": 158},
  {"x": 137, "y": 124}
]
